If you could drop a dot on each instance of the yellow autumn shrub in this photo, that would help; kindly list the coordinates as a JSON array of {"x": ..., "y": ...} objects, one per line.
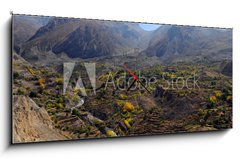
[
  {"x": 173, "y": 76},
  {"x": 103, "y": 77},
  {"x": 128, "y": 106},
  {"x": 110, "y": 133},
  {"x": 75, "y": 98},
  {"x": 41, "y": 83},
  {"x": 30, "y": 70},
  {"x": 120, "y": 102},
  {"x": 127, "y": 122},
  {"x": 218, "y": 94},
  {"x": 122, "y": 96},
  {"x": 229, "y": 98},
  {"x": 59, "y": 81},
  {"x": 76, "y": 90},
  {"x": 213, "y": 99}
]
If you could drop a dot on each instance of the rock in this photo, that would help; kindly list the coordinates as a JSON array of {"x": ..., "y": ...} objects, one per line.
[
  {"x": 93, "y": 120},
  {"x": 32, "y": 123},
  {"x": 80, "y": 103},
  {"x": 99, "y": 114},
  {"x": 200, "y": 128}
]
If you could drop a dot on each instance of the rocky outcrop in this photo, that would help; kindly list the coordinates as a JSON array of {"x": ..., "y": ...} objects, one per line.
[{"x": 32, "y": 123}]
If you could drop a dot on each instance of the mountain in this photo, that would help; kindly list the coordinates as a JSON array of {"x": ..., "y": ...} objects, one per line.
[
  {"x": 85, "y": 39},
  {"x": 177, "y": 42},
  {"x": 25, "y": 27},
  {"x": 68, "y": 38}
]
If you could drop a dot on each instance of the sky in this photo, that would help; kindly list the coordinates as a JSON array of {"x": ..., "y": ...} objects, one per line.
[{"x": 149, "y": 27}]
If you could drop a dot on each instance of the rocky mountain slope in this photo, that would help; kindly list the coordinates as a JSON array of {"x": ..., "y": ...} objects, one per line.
[
  {"x": 177, "y": 42},
  {"x": 42, "y": 113},
  {"x": 85, "y": 39},
  {"x": 32, "y": 123},
  {"x": 24, "y": 27},
  {"x": 82, "y": 38}
]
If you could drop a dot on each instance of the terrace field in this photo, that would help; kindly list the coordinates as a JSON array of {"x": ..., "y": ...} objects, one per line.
[
  {"x": 185, "y": 97},
  {"x": 81, "y": 78}
]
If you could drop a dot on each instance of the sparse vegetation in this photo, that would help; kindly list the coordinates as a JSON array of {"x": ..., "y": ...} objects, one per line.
[
  {"x": 176, "y": 102},
  {"x": 135, "y": 112}
]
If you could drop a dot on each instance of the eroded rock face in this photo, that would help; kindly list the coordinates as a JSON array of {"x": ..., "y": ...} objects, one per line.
[{"x": 32, "y": 123}]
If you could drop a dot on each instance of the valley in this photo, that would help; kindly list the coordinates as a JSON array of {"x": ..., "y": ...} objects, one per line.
[{"x": 186, "y": 70}]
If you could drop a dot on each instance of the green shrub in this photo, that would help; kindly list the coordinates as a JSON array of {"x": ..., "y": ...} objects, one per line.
[
  {"x": 20, "y": 91},
  {"x": 75, "y": 112},
  {"x": 59, "y": 81},
  {"x": 16, "y": 75},
  {"x": 33, "y": 94}
]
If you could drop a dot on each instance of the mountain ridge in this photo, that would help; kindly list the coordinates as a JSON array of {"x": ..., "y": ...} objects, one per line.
[{"x": 85, "y": 39}]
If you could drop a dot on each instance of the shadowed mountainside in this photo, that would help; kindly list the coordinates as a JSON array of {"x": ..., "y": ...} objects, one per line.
[
  {"x": 24, "y": 27},
  {"x": 177, "y": 42},
  {"x": 85, "y": 39}
]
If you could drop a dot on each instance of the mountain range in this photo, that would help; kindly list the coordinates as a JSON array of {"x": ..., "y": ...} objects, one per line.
[
  {"x": 45, "y": 38},
  {"x": 171, "y": 42}
]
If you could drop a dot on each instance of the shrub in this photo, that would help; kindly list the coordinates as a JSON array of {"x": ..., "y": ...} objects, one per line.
[
  {"x": 122, "y": 96},
  {"x": 229, "y": 99},
  {"x": 76, "y": 90},
  {"x": 75, "y": 112},
  {"x": 59, "y": 105},
  {"x": 34, "y": 78},
  {"x": 20, "y": 91},
  {"x": 67, "y": 110},
  {"x": 75, "y": 98},
  {"x": 30, "y": 70},
  {"x": 33, "y": 94},
  {"x": 213, "y": 99},
  {"x": 41, "y": 83},
  {"x": 128, "y": 106},
  {"x": 58, "y": 88},
  {"x": 120, "y": 103},
  {"x": 59, "y": 81},
  {"x": 60, "y": 100},
  {"x": 136, "y": 95},
  {"x": 47, "y": 92},
  {"x": 16, "y": 75},
  {"x": 110, "y": 133},
  {"x": 218, "y": 94},
  {"x": 126, "y": 122}
]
